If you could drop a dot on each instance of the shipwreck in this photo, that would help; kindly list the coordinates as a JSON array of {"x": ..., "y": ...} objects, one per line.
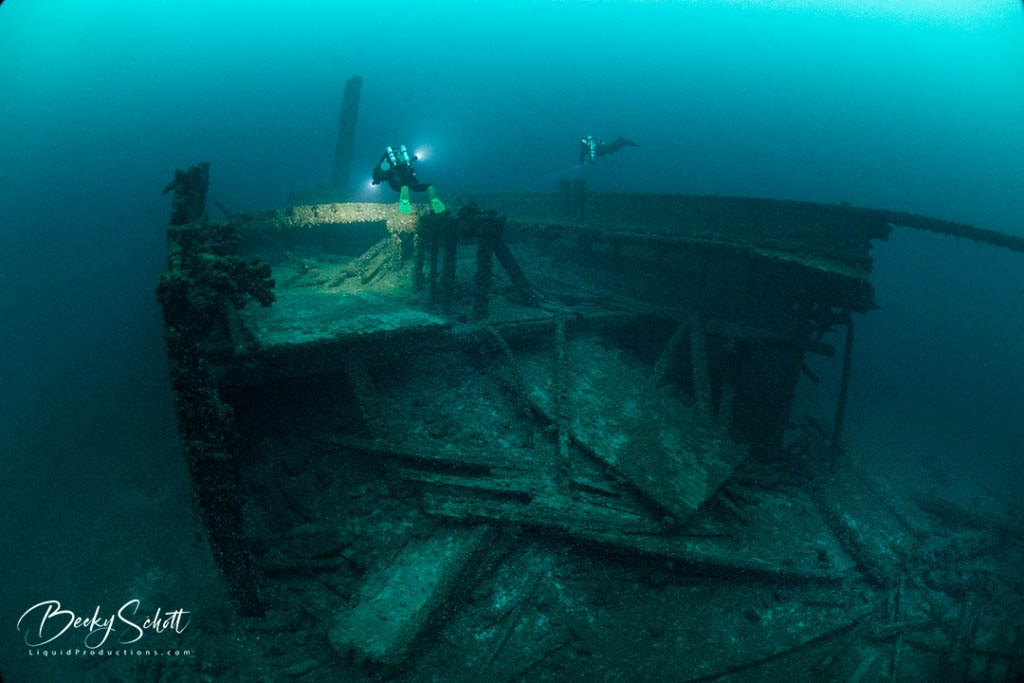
[{"x": 551, "y": 437}]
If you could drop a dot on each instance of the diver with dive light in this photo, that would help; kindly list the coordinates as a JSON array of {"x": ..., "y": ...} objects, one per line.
[{"x": 395, "y": 169}]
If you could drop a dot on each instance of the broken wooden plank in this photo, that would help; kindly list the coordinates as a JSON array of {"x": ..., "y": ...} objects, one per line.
[
  {"x": 501, "y": 485},
  {"x": 952, "y": 513},
  {"x": 868, "y": 531},
  {"x": 367, "y": 397},
  {"x": 837, "y": 429},
  {"x": 726, "y": 406},
  {"x": 635, "y": 534},
  {"x": 543, "y": 412},
  {"x": 397, "y": 601},
  {"x": 900, "y": 506},
  {"x": 959, "y": 658},
  {"x": 515, "y": 273},
  {"x": 661, "y": 446},
  {"x": 667, "y": 357},
  {"x": 895, "y": 614},
  {"x": 450, "y": 249},
  {"x": 406, "y": 455},
  {"x": 575, "y": 517},
  {"x": 484, "y": 262},
  {"x": 701, "y": 374},
  {"x": 563, "y": 471}
]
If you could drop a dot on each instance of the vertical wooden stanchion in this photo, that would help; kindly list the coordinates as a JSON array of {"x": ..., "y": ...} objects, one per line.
[
  {"x": 417, "y": 258},
  {"x": 484, "y": 265},
  {"x": 565, "y": 189},
  {"x": 563, "y": 474},
  {"x": 844, "y": 385},
  {"x": 434, "y": 240},
  {"x": 699, "y": 362},
  {"x": 450, "y": 236},
  {"x": 346, "y": 135},
  {"x": 579, "y": 191}
]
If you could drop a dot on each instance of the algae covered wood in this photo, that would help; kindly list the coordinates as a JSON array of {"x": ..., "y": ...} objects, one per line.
[
  {"x": 674, "y": 456},
  {"x": 309, "y": 315},
  {"x": 876, "y": 538},
  {"x": 784, "y": 539},
  {"x": 397, "y": 600}
]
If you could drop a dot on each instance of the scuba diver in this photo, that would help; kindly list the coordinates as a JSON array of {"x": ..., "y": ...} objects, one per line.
[
  {"x": 591, "y": 148},
  {"x": 395, "y": 168}
]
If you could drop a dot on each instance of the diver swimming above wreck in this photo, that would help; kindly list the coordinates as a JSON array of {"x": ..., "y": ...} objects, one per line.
[
  {"x": 592, "y": 149},
  {"x": 409, "y": 438},
  {"x": 395, "y": 168}
]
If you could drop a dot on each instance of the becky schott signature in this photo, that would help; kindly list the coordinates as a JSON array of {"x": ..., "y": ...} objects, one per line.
[{"x": 53, "y": 622}]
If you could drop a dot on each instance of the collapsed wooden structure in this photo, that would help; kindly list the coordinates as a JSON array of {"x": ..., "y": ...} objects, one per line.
[{"x": 622, "y": 382}]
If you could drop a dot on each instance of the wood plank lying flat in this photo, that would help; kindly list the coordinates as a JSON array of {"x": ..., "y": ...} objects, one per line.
[
  {"x": 909, "y": 515},
  {"x": 877, "y": 539},
  {"x": 758, "y": 551},
  {"x": 405, "y": 453},
  {"x": 660, "y": 445},
  {"x": 396, "y": 601},
  {"x": 309, "y": 315},
  {"x": 576, "y": 517}
]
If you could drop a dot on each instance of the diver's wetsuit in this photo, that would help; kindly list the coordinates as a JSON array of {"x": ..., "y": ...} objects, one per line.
[
  {"x": 397, "y": 175},
  {"x": 395, "y": 168},
  {"x": 591, "y": 148}
]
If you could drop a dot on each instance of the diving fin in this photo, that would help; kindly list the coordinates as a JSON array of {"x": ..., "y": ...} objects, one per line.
[
  {"x": 436, "y": 204},
  {"x": 404, "y": 205}
]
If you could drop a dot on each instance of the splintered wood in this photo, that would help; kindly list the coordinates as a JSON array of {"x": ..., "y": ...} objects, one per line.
[
  {"x": 397, "y": 600},
  {"x": 668, "y": 450}
]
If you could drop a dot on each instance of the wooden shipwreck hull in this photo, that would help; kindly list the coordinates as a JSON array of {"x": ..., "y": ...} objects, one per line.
[{"x": 543, "y": 440}]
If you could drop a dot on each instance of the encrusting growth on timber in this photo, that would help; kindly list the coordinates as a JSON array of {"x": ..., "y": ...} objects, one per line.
[
  {"x": 573, "y": 465},
  {"x": 200, "y": 292}
]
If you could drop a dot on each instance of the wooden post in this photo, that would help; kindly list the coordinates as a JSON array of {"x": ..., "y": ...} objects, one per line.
[
  {"x": 565, "y": 189},
  {"x": 579, "y": 191},
  {"x": 895, "y": 614},
  {"x": 668, "y": 355},
  {"x": 434, "y": 240},
  {"x": 726, "y": 406},
  {"x": 727, "y": 399},
  {"x": 397, "y": 250},
  {"x": 701, "y": 374},
  {"x": 515, "y": 273},
  {"x": 486, "y": 230},
  {"x": 346, "y": 135},
  {"x": 844, "y": 385},
  {"x": 418, "y": 258},
  {"x": 561, "y": 408},
  {"x": 450, "y": 235}
]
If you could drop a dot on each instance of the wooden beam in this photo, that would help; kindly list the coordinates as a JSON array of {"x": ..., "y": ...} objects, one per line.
[
  {"x": 667, "y": 359},
  {"x": 515, "y": 273},
  {"x": 484, "y": 266},
  {"x": 346, "y": 135},
  {"x": 701, "y": 373},
  {"x": 398, "y": 600},
  {"x": 560, "y": 400},
  {"x": 844, "y": 386},
  {"x": 450, "y": 242}
]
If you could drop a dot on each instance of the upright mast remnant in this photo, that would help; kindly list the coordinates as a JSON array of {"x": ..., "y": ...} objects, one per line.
[{"x": 346, "y": 135}]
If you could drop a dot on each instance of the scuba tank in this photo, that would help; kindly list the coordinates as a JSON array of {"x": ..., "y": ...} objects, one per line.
[
  {"x": 391, "y": 156},
  {"x": 403, "y": 153}
]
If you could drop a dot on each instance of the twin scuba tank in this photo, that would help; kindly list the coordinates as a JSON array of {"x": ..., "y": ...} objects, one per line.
[{"x": 395, "y": 158}]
